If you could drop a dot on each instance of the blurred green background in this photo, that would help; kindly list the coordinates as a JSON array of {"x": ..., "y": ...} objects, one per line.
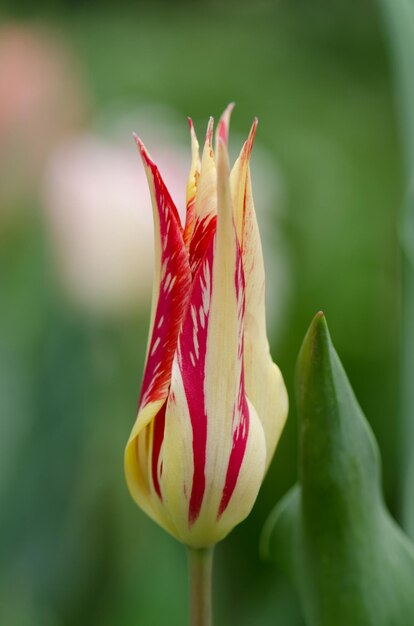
[{"x": 76, "y": 78}]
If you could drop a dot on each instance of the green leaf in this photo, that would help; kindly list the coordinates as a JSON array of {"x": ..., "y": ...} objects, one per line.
[{"x": 350, "y": 562}]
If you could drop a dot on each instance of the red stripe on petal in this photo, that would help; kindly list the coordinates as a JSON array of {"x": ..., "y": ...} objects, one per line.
[
  {"x": 248, "y": 146},
  {"x": 158, "y": 181},
  {"x": 192, "y": 348},
  {"x": 240, "y": 435},
  {"x": 205, "y": 208},
  {"x": 202, "y": 236},
  {"x": 157, "y": 439},
  {"x": 241, "y": 418},
  {"x": 174, "y": 289}
]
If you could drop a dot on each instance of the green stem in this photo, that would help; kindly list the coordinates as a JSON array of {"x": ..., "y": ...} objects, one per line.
[{"x": 200, "y": 563}]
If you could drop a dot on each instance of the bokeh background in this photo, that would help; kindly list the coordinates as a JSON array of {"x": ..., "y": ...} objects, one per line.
[{"x": 76, "y": 78}]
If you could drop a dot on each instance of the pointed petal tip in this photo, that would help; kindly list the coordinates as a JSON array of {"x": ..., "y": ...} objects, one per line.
[
  {"x": 224, "y": 123},
  {"x": 137, "y": 139},
  {"x": 228, "y": 110},
  {"x": 225, "y": 116},
  {"x": 209, "y": 133},
  {"x": 194, "y": 142},
  {"x": 142, "y": 149},
  {"x": 248, "y": 145}
]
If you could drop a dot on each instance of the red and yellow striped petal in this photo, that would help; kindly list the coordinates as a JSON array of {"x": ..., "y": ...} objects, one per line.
[
  {"x": 172, "y": 285},
  {"x": 172, "y": 282},
  {"x": 205, "y": 205},
  {"x": 185, "y": 444},
  {"x": 214, "y": 442},
  {"x": 239, "y": 431},
  {"x": 264, "y": 383},
  {"x": 204, "y": 213}
]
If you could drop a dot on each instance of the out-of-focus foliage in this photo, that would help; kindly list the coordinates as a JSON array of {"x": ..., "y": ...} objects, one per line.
[
  {"x": 349, "y": 559},
  {"x": 399, "y": 19},
  {"x": 73, "y": 547}
]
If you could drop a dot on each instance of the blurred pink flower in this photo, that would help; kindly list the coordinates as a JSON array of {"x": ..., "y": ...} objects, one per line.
[
  {"x": 41, "y": 102},
  {"x": 99, "y": 212}
]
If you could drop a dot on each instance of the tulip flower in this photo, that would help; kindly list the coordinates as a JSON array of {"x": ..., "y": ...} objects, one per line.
[{"x": 213, "y": 403}]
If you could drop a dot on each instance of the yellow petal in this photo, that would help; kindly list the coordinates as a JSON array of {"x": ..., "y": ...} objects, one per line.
[
  {"x": 264, "y": 383},
  {"x": 192, "y": 185},
  {"x": 222, "y": 132},
  {"x": 137, "y": 464},
  {"x": 172, "y": 282}
]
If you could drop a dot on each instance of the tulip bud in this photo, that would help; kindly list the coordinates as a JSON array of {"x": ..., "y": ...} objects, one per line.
[{"x": 213, "y": 404}]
